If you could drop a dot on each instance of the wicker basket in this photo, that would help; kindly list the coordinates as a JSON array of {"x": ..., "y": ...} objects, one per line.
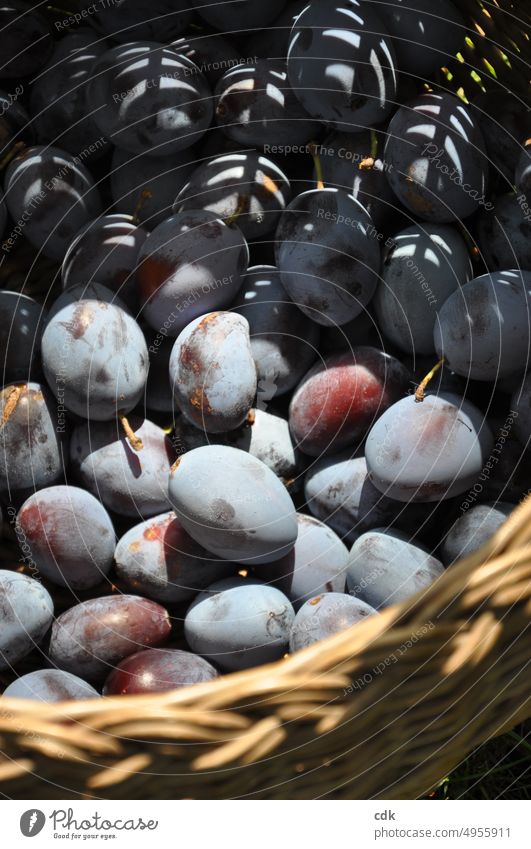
[{"x": 383, "y": 710}]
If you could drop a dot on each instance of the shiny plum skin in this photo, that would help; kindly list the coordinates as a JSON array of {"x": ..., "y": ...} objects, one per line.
[
  {"x": 423, "y": 41},
  {"x": 255, "y": 105},
  {"x": 145, "y": 186},
  {"x": 70, "y": 535},
  {"x": 338, "y": 491},
  {"x": 54, "y": 194},
  {"x": 156, "y": 671},
  {"x": 504, "y": 235},
  {"x": 483, "y": 328},
  {"x": 212, "y": 372},
  {"x": 26, "y": 613},
  {"x": 316, "y": 564},
  {"x": 31, "y": 448},
  {"x": 426, "y": 265},
  {"x": 90, "y": 638},
  {"x": 233, "y": 505},
  {"x": 25, "y": 39},
  {"x": 428, "y": 451},
  {"x": 224, "y": 14},
  {"x": 190, "y": 264},
  {"x": 165, "y": 117},
  {"x": 106, "y": 250},
  {"x": 246, "y": 186},
  {"x": 353, "y": 162},
  {"x": 472, "y": 529},
  {"x": 98, "y": 354},
  {"x": 284, "y": 341},
  {"x": 159, "y": 560},
  {"x": 384, "y": 568},
  {"x": 50, "y": 685},
  {"x": 341, "y": 65},
  {"x": 21, "y": 322},
  {"x": 267, "y": 437},
  {"x": 130, "y": 20},
  {"x": 205, "y": 50},
  {"x": 130, "y": 483},
  {"x": 239, "y": 623},
  {"x": 328, "y": 262},
  {"x": 434, "y": 151},
  {"x": 340, "y": 398},
  {"x": 58, "y": 98},
  {"x": 325, "y": 615}
]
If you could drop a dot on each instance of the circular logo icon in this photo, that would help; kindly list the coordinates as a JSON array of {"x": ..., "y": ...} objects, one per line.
[{"x": 32, "y": 822}]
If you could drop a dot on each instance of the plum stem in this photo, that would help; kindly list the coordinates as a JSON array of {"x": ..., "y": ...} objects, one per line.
[
  {"x": 134, "y": 441},
  {"x": 11, "y": 403},
  {"x": 145, "y": 194},
  {"x": 242, "y": 202},
  {"x": 369, "y": 161},
  {"x": 420, "y": 393},
  {"x": 317, "y": 165}
]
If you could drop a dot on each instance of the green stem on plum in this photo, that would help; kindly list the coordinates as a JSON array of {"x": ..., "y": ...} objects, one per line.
[
  {"x": 420, "y": 394},
  {"x": 134, "y": 441},
  {"x": 11, "y": 403},
  {"x": 317, "y": 165},
  {"x": 144, "y": 196}
]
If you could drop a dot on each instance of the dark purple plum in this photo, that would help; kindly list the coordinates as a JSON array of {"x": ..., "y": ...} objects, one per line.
[
  {"x": 340, "y": 398},
  {"x": 328, "y": 260},
  {"x": 106, "y": 251},
  {"x": 212, "y": 52},
  {"x": 190, "y": 264},
  {"x": 325, "y": 615},
  {"x": 58, "y": 98},
  {"x": 97, "y": 353},
  {"x": 233, "y": 504},
  {"x": 428, "y": 451},
  {"x": 212, "y": 372},
  {"x": 90, "y": 638},
  {"x": 483, "y": 328},
  {"x": 53, "y": 195},
  {"x": 473, "y": 529},
  {"x": 385, "y": 568},
  {"x": 26, "y": 613},
  {"x": 244, "y": 187},
  {"x": 341, "y": 65},
  {"x": 503, "y": 120},
  {"x": 85, "y": 292},
  {"x": 255, "y": 105},
  {"x": 316, "y": 564},
  {"x": 32, "y": 429},
  {"x": 50, "y": 685},
  {"x": 146, "y": 98},
  {"x": 435, "y": 158},
  {"x": 25, "y": 39},
  {"x": 70, "y": 536},
  {"x": 160, "y": 561},
  {"x": 503, "y": 235},
  {"x": 267, "y": 437},
  {"x": 156, "y": 671},
  {"x": 128, "y": 482},
  {"x": 239, "y": 623},
  {"x": 426, "y": 265}
]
